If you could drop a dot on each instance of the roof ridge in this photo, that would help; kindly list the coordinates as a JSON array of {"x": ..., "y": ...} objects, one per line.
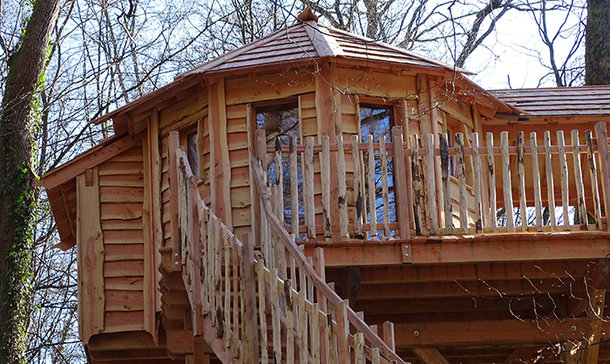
[
  {"x": 398, "y": 49},
  {"x": 326, "y": 48}
]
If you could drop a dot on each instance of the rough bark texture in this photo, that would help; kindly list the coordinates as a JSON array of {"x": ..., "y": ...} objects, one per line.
[
  {"x": 597, "y": 45},
  {"x": 25, "y": 68}
]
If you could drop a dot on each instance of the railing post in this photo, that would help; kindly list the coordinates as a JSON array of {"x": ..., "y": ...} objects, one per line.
[
  {"x": 601, "y": 134},
  {"x": 261, "y": 155},
  {"x": 401, "y": 183}
]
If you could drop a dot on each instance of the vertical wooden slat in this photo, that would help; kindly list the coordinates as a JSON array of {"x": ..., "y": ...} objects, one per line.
[
  {"x": 580, "y": 188},
  {"x": 521, "y": 174},
  {"x": 341, "y": 199},
  {"x": 536, "y": 176},
  {"x": 342, "y": 332},
  {"x": 384, "y": 186},
  {"x": 388, "y": 335},
  {"x": 416, "y": 184},
  {"x": 371, "y": 187},
  {"x": 289, "y": 322},
  {"x": 375, "y": 356},
  {"x": 401, "y": 183},
  {"x": 227, "y": 289},
  {"x": 563, "y": 167},
  {"x": 262, "y": 308},
  {"x": 594, "y": 183},
  {"x": 249, "y": 322},
  {"x": 601, "y": 134},
  {"x": 359, "y": 357},
  {"x": 315, "y": 333},
  {"x": 446, "y": 182},
  {"x": 219, "y": 236},
  {"x": 506, "y": 183},
  {"x": 476, "y": 173},
  {"x": 308, "y": 194},
  {"x": 461, "y": 174},
  {"x": 491, "y": 168},
  {"x": 320, "y": 267},
  {"x": 550, "y": 188},
  {"x": 279, "y": 176},
  {"x": 293, "y": 268},
  {"x": 359, "y": 199},
  {"x": 325, "y": 177},
  {"x": 309, "y": 282},
  {"x": 275, "y": 317},
  {"x": 294, "y": 187},
  {"x": 429, "y": 178},
  {"x": 331, "y": 343},
  {"x": 203, "y": 235},
  {"x": 278, "y": 247},
  {"x": 235, "y": 326},
  {"x": 210, "y": 260},
  {"x": 302, "y": 334}
]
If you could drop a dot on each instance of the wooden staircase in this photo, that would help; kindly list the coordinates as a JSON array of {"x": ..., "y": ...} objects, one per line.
[{"x": 268, "y": 306}]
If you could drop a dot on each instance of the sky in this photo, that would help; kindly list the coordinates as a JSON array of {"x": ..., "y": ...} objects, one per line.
[{"x": 515, "y": 50}]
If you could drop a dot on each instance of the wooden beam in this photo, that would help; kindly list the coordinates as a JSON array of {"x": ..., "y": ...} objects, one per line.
[
  {"x": 220, "y": 163},
  {"x": 429, "y": 355},
  {"x": 497, "y": 248},
  {"x": 478, "y": 288},
  {"x": 173, "y": 144},
  {"x": 465, "y": 272},
  {"x": 90, "y": 241},
  {"x": 155, "y": 199},
  {"x": 88, "y": 159},
  {"x": 493, "y": 332},
  {"x": 150, "y": 273}
]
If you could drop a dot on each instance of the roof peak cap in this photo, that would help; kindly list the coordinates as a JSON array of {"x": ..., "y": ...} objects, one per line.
[{"x": 307, "y": 15}]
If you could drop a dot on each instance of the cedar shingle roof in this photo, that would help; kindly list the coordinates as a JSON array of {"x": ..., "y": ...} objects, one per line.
[
  {"x": 559, "y": 101},
  {"x": 307, "y": 40}
]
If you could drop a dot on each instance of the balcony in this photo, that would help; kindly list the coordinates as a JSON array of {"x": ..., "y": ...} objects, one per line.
[{"x": 430, "y": 187}]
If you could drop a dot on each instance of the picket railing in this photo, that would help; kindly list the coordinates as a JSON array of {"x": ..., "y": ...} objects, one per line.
[
  {"x": 272, "y": 307},
  {"x": 395, "y": 189}
]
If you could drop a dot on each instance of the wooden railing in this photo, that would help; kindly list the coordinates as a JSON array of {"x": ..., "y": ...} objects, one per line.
[
  {"x": 272, "y": 307},
  {"x": 396, "y": 189}
]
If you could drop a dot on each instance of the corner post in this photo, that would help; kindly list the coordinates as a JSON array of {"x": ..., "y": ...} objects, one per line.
[{"x": 601, "y": 133}]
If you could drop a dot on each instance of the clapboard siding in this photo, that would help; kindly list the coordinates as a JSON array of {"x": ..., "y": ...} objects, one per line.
[{"x": 121, "y": 190}]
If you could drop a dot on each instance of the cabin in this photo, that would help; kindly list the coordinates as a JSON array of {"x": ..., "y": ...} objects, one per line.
[{"x": 320, "y": 197}]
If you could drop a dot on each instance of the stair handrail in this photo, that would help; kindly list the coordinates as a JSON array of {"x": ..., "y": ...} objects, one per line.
[{"x": 310, "y": 271}]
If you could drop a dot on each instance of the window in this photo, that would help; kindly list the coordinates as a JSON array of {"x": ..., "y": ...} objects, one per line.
[
  {"x": 377, "y": 120},
  {"x": 281, "y": 123},
  {"x": 192, "y": 153},
  {"x": 278, "y": 121}
]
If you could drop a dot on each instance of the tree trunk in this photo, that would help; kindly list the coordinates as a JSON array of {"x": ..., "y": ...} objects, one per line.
[
  {"x": 24, "y": 74},
  {"x": 597, "y": 43}
]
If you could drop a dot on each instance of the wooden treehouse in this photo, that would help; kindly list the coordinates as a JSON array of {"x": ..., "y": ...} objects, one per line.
[{"x": 319, "y": 197}]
